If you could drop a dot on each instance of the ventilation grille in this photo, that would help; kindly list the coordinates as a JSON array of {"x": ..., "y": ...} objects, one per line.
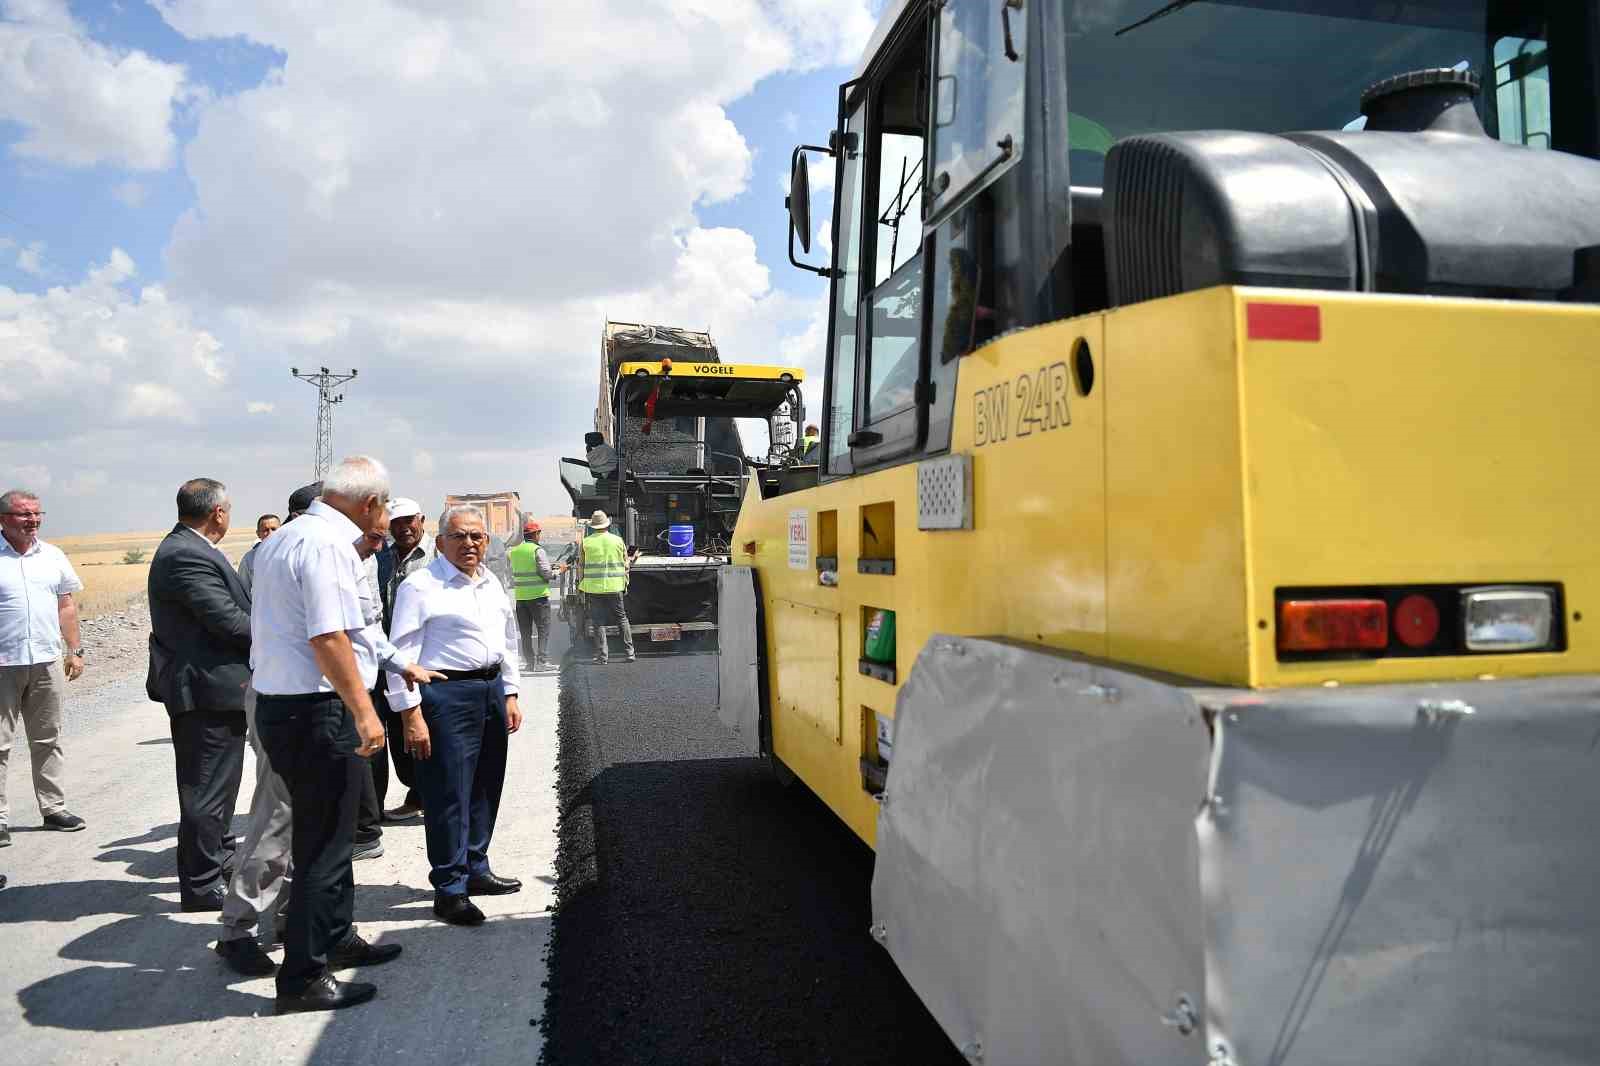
[
  {"x": 944, "y": 493},
  {"x": 1144, "y": 220}
]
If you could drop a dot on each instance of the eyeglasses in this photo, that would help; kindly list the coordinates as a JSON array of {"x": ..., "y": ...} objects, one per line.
[{"x": 470, "y": 538}]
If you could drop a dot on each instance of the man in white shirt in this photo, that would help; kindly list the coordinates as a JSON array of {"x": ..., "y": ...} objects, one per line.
[
  {"x": 317, "y": 723},
  {"x": 36, "y": 611},
  {"x": 455, "y": 618},
  {"x": 410, "y": 547}
]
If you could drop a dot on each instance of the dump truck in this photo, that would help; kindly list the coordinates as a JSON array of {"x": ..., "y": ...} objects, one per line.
[
  {"x": 1197, "y": 607},
  {"x": 670, "y": 408}
]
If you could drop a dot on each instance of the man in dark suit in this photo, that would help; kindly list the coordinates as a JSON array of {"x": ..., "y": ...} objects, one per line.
[{"x": 199, "y": 667}]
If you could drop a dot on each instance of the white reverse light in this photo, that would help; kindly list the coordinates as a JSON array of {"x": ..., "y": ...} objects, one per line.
[{"x": 1507, "y": 618}]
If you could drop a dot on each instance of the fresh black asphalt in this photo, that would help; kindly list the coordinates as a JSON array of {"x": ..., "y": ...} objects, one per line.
[{"x": 707, "y": 913}]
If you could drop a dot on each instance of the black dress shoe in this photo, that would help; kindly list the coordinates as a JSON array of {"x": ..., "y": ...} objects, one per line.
[
  {"x": 492, "y": 885},
  {"x": 326, "y": 994},
  {"x": 244, "y": 956},
  {"x": 457, "y": 910},
  {"x": 357, "y": 952},
  {"x": 211, "y": 901}
]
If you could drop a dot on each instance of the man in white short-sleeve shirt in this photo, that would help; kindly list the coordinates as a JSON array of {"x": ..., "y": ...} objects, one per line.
[
  {"x": 39, "y": 652},
  {"x": 317, "y": 723}
]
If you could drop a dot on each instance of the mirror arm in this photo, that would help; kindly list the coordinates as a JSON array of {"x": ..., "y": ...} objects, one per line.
[{"x": 794, "y": 158}]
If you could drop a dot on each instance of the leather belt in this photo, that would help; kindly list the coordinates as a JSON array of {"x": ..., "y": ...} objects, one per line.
[{"x": 487, "y": 673}]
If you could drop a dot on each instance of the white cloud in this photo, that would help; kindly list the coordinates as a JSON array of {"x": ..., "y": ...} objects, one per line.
[
  {"x": 79, "y": 102},
  {"x": 86, "y": 483},
  {"x": 148, "y": 399},
  {"x": 30, "y": 259},
  {"x": 31, "y": 476},
  {"x": 451, "y": 198}
]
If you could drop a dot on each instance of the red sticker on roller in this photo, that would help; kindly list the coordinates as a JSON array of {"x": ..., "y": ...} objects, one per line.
[{"x": 1283, "y": 322}]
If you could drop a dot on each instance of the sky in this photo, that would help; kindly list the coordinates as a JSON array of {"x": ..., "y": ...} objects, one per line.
[{"x": 451, "y": 196}]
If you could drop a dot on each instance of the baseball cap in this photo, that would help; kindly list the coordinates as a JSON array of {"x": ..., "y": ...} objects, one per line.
[
  {"x": 403, "y": 507},
  {"x": 300, "y": 499}
]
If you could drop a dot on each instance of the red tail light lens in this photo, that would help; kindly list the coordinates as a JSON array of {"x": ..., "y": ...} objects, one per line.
[
  {"x": 1416, "y": 621},
  {"x": 1333, "y": 625}
]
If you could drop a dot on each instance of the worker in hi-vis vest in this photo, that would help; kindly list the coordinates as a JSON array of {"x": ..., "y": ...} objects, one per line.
[
  {"x": 605, "y": 577},
  {"x": 531, "y": 574}
]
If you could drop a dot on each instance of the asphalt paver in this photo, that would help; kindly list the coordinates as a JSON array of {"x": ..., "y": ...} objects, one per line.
[{"x": 706, "y": 912}]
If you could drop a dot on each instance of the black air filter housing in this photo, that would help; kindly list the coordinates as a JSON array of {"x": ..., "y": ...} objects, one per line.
[{"x": 1444, "y": 210}]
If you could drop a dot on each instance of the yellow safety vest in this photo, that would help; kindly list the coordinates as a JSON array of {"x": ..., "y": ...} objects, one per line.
[
  {"x": 605, "y": 564},
  {"x": 526, "y": 581}
]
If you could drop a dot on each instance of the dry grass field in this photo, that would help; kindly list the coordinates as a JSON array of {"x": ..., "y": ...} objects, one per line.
[{"x": 110, "y": 584}]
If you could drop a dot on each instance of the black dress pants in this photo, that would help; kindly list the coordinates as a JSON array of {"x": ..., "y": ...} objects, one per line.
[
  {"x": 369, "y": 815},
  {"x": 404, "y": 768},
  {"x": 311, "y": 742},
  {"x": 208, "y": 752}
]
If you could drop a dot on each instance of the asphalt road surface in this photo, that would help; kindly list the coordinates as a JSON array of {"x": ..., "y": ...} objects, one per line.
[
  {"x": 99, "y": 965},
  {"x": 707, "y": 914}
]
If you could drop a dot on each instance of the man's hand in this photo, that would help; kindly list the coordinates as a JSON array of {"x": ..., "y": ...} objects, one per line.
[
  {"x": 73, "y": 664},
  {"x": 415, "y": 675},
  {"x": 418, "y": 744},
  {"x": 370, "y": 730},
  {"x": 513, "y": 715}
]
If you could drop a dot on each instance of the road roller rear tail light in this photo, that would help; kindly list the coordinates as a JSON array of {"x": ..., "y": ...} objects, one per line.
[
  {"x": 1374, "y": 622},
  {"x": 1333, "y": 625}
]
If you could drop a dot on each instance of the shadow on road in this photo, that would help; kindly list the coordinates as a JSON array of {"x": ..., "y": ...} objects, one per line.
[{"x": 67, "y": 901}]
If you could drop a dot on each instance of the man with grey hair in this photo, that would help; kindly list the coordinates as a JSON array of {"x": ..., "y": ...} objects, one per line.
[
  {"x": 38, "y": 621},
  {"x": 317, "y": 723},
  {"x": 455, "y": 618},
  {"x": 199, "y": 668}
]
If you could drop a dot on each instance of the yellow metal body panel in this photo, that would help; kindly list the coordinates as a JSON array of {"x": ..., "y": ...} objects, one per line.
[
  {"x": 1151, "y": 521},
  {"x": 806, "y": 682},
  {"x": 688, "y": 368}
]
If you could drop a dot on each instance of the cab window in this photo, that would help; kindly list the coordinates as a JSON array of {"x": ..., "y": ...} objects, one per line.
[{"x": 847, "y": 291}]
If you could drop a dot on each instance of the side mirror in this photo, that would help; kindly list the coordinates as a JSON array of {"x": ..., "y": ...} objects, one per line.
[
  {"x": 799, "y": 204},
  {"x": 800, "y": 201}
]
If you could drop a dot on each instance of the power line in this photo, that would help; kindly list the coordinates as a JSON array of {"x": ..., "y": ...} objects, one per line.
[{"x": 325, "y": 381}]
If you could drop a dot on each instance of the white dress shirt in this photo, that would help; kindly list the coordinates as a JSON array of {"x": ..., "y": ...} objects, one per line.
[
  {"x": 307, "y": 583},
  {"x": 207, "y": 541},
  {"x": 31, "y": 586},
  {"x": 445, "y": 620},
  {"x": 372, "y": 644}
]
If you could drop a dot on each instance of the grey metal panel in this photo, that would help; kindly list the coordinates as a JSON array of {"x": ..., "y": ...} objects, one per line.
[
  {"x": 1037, "y": 868},
  {"x": 738, "y": 635},
  {"x": 1406, "y": 874},
  {"x": 944, "y": 492}
]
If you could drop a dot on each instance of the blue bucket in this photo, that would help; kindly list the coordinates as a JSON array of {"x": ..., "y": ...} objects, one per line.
[{"x": 680, "y": 540}]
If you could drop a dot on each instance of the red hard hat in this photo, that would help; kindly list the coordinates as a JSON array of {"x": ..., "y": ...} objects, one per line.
[{"x": 531, "y": 526}]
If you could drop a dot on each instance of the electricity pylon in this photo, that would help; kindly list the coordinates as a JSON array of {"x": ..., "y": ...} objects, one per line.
[{"x": 325, "y": 381}]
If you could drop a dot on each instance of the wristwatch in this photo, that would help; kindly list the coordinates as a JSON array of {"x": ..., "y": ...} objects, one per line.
[{"x": 76, "y": 653}]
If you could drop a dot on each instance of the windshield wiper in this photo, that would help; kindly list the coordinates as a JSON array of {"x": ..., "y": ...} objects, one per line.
[{"x": 1171, "y": 9}]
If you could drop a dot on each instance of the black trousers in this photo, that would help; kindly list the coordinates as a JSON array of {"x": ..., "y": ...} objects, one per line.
[
  {"x": 462, "y": 780},
  {"x": 534, "y": 615},
  {"x": 369, "y": 814},
  {"x": 311, "y": 742},
  {"x": 404, "y": 768},
  {"x": 208, "y": 751}
]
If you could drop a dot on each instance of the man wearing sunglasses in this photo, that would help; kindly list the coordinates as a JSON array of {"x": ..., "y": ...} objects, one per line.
[
  {"x": 40, "y": 652},
  {"x": 454, "y": 617}
]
